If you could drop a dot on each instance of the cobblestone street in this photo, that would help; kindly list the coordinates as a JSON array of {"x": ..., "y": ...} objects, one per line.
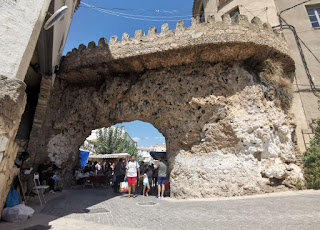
[{"x": 99, "y": 208}]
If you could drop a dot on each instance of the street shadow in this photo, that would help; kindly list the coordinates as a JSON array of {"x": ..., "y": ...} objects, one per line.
[
  {"x": 37, "y": 227},
  {"x": 62, "y": 204}
]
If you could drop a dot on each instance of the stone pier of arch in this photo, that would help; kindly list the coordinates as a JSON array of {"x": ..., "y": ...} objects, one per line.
[{"x": 219, "y": 92}]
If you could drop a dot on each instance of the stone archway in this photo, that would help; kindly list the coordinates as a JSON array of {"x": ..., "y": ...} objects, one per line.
[{"x": 221, "y": 105}]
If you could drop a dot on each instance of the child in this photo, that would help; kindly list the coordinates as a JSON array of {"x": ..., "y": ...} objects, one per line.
[{"x": 146, "y": 183}]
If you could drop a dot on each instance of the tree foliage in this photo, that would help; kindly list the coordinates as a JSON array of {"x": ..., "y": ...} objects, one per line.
[
  {"x": 111, "y": 140},
  {"x": 311, "y": 160}
]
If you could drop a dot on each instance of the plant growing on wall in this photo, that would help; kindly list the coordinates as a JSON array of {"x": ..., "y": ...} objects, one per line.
[{"x": 311, "y": 160}]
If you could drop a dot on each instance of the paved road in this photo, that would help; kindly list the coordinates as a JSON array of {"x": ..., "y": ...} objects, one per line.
[{"x": 100, "y": 209}]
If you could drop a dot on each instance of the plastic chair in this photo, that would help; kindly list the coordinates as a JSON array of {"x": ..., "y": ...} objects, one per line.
[
  {"x": 87, "y": 181},
  {"x": 38, "y": 187}
]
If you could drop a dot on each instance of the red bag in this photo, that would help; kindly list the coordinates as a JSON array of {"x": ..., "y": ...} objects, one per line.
[{"x": 124, "y": 186}]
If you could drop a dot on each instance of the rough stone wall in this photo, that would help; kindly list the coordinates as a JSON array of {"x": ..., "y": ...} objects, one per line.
[
  {"x": 12, "y": 104},
  {"x": 39, "y": 117},
  {"x": 223, "y": 133},
  {"x": 221, "y": 103}
]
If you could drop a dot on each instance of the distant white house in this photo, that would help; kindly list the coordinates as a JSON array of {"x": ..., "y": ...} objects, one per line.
[{"x": 144, "y": 152}]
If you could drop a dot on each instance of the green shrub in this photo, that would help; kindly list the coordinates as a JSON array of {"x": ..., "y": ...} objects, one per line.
[
  {"x": 311, "y": 160},
  {"x": 299, "y": 184}
]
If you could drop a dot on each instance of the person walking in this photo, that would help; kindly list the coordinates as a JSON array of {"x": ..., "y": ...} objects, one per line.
[
  {"x": 118, "y": 171},
  {"x": 154, "y": 176},
  {"x": 146, "y": 185},
  {"x": 132, "y": 172},
  {"x": 162, "y": 175},
  {"x": 149, "y": 174}
]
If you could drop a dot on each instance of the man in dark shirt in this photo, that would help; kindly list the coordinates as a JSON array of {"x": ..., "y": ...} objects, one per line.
[
  {"x": 45, "y": 171},
  {"x": 118, "y": 171}
]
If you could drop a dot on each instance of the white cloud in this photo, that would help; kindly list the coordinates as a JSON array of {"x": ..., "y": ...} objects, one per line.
[
  {"x": 158, "y": 138},
  {"x": 136, "y": 139}
]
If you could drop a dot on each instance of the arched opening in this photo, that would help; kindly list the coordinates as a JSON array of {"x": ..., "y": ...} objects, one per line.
[
  {"x": 105, "y": 147},
  {"x": 212, "y": 100},
  {"x": 133, "y": 138}
]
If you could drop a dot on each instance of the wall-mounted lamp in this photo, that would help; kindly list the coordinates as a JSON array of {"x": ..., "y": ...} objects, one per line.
[{"x": 55, "y": 17}]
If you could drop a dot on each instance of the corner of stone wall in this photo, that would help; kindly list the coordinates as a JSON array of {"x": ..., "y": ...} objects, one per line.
[
  {"x": 40, "y": 114},
  {"x": 12, "y": 95}
]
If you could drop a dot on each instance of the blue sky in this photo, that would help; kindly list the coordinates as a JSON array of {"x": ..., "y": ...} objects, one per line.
[
  {"x": 144, "y": 133},
  {"x": 126, "y": 16},
  {"x": 89, "y": 24}
]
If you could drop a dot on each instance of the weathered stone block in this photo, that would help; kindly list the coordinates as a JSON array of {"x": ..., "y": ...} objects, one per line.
[
  {"x": 12, "y": 95},
  {"x": 211, "y": 19},
  {"x": 125, "y": 37},
  {"x": 152, "y": 31},
  {"x": 165, "y": 28},
  {"x": 138, "y": 34},
  {"x": 180, "y": 25},
  {"x": 91, "y": 45},
  {"x": 81, "y": 47},
  {"x": 113, "y": 40},
  {"x": 3, "y": 143},
  {"x": 103, "y": 42}
]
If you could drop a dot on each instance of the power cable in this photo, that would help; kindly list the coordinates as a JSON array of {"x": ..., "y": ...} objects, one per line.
[
  {"x": 137, "y": 17},
  {"x": 133, "y": 15},
  {"x": 142, "y": 17},
  {"x": 279, "y": 15},
  {"x": 309, "y": 50}
]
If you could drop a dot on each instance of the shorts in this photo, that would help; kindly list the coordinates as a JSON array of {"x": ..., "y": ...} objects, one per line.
[
  {"x": 145, "y": 183},
  {"x": 161, "y": 180},
  {"x": 132, "y": 180}
]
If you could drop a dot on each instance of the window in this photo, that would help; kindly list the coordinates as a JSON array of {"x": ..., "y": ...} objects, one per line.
[
  {"x": 233, "y": 14},
  {"x": 314, "y": 15},
  {"x": 202, "y": 15}
]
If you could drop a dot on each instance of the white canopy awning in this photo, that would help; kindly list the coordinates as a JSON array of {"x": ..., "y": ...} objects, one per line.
[{"x": 108, "y": 156}]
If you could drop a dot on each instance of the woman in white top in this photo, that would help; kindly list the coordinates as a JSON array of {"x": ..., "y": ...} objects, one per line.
[{"x": 132, "y": 171}]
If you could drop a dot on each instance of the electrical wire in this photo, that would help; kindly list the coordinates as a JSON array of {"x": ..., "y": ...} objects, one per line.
[
  {"x": 155, "y": 17},
  {"x": 136, "y": 17},
  {"x": 309, "y": 50},
  {"x": 304, "y": 62}
]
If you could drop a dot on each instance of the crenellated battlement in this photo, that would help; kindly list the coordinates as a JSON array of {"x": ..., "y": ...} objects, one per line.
[{"x": 212, "y": 41}]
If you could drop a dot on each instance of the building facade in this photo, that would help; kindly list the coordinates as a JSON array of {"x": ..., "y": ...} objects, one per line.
[
  {"x": 144, "y": 152},
  {"x": 30, "y": 56},
  {"x": 299, "y": 22}
]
